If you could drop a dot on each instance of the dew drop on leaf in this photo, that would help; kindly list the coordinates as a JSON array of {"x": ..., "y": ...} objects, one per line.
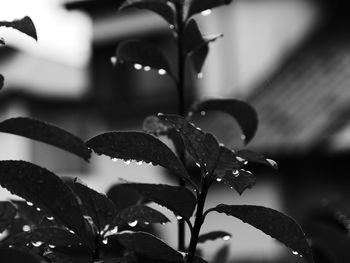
[
  {"x": 38, "y": 209},
  {"x": 272, "y": 163},
  {"x": 26, "y": 228},
  {"x": 218, "y": 179},
  {"x": 295, "y": 253},
  {"x": 200, "y": 75},
  {"x": 178, "y": 217},
  {"x": 113, "y": 61},
  {"x": 225, "y": 238},
  {"x": 190, "y": 114},
  {"x": 240, "y": 159},
  {"x": 206, "y": 12},
  {"x": 29, "y": 203},
  {"x": 52, "y": 246},
  {"x": 203, "y": 113},
  {"x": 161, "y": 71},
  {"x": 105, "y": 241},
  {"x": 171, "y": 26},
  {"x": 49, "y": 218},
  {"x": 235, "y": 173},
  {"x": 146, "y": 68},
  {"x": 198, "y": 164},
  {"x": 243, "y": 137},
  {"x": 133, "y": 223},
  {"x": 37, "y": 244},
  {"x": 137, "y": 66},
  {"x": 146, "y": 223}
]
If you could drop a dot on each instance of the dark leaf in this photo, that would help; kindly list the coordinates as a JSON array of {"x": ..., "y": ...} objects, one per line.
[
  {"x": 254, "y": 157},
  {"x": 244, "y": 114},
  {"x": 7, "y": 213},
  {"x": 29, "y": 213},
  {"x": 203, "y": 147},
  {"x": 138, "y": 146},
  {"x": 148, "y": 246},
  {"x": 165, "y": 9},
  {"x": 222, "y": 255},
  {"x": 240, "y": 180},
  {"x": 198, "y": 259},
  {"x": 97, "y": 206},
  {"x": 46, "y": 133},
  {"x": 178, "y": 199},
  {"x": 227, "y": 162},
  {"x": 15, "y": 255},
  {"x": 44, "y": 236},
  {"x": 25, "y": 25},
  {"x": 2, "y": 41},
  {"x": 142, "y": 214},
  {"x": 198, "y": 6},
  {"x": 272, "y": 223},
  {"x": 2, "y": 80},
  {"x": 46, "y": 190},
  {"x": 213, "y": 236},
  {"x": 143, "y": 53}
]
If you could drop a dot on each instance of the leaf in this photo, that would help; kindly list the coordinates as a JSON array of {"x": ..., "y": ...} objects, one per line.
[
  {"x": 7, "y": 213},
  {"x": 178, "y": 199},
  {"x": 15, "y": 255},
  {"x": 254, "y": 157},
  {"x": 203, "y": 147},
  {"x": 46, "y": 190},
  {"x": 2, "y": 80},
  {"x": 138, "y": 146},
  {"x": 272, "y": 223},
  {"x": 243, "y": 113},
  {"x": 136, "y": 214},
  {"x": 213, "y": 236},
  {"x": 149, "y": 246},
  {"x": 25, "y": 25},
  {"x": 46, "y": 133},
  {"x": 44, "y": 236},
  {"x": 98, "y": 206},
  {"x": 197, "y": 6},
  {"x": 227, "y": 162},
  {"x": 240, "y": 180},
  {"x": 165, "y": 9},
  {"x": 143, "y": 53}
]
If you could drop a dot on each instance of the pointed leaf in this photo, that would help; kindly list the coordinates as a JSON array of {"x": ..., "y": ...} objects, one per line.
[
  {"x": 178, "y": 199},
  {"x": 254, "y": 157},
  {"x": 148, "y": 246},
  {"x": 203, "y": 147},
  {"x": 198, "y": 6},
  {"x": 240, "y": 180},
  {"x": 138, "y": 146},
  {"x": 272, "y": 223},
  {"x": 227, "y": 162},
  {"x": 15, "y": 255},
  {"x": 46, "y": 133},
  {"x": 25, "y": 25},
  {"x": 165, "y": 9},
  {"x": 139, "y": 214},
  {"x": 143, "y": 53},
  {"x": 213, "y": 236},
  {"x": 244, "y": 114},
  {"x": 7, "y": 213},
  {"x": 46, "y": 190},
  {"x": 44, "y": 236},
  {"x": 97, "y": 205}
]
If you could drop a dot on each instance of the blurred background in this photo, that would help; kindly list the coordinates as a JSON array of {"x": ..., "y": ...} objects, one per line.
[{"x": 290, "y": 59}]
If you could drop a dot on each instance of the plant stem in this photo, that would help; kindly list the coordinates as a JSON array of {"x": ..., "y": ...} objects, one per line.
[
  {"x": 197, "y": 223},
  {"x": 181, "y": 102}
]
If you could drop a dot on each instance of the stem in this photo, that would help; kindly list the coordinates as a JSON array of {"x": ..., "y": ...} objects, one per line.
[
  {"x": 181, "y": 102},
  {"x": 198, "y": 223},
  {"x": 96, "y": 252}
]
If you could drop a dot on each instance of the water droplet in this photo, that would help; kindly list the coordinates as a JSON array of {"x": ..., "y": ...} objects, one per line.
[
  {"x": 218, "y": 179},
  {"x": 272, "y": 163},
  {"x": 114, "y": 230},
  {"x": 146, "y": 68},
  {"x": 137, "y": 66},
  {"x": 163, "y": 223},
  {"x": 178, "y": 217},
  {"x": 206, "y": 12},
  {"x": 190, "y": 114},
  {"x": 160, "y": 114},
  {"x": 221, "y": 144},
  {"x": 235, "y": 173},
  {"x": 52, "y": 246},
  {"x": 127, "y": 162},
  {"x": 133, "y": 223},
  {"x": 203, "y": 113},
  {"x": 162, "y": 71},
  {"x": 245, "y": 163},
  {"x": 171, "y": 26},
  {"x": 146, "y": 223},
  {"x": 38, "y": 209},
  {"x": 50, "y": 218},
  {"x": 243, "y": 137},
  {"x": 113, "y": 61},
  {"x": 227, "y": 237},
  {"x": 295, "y": 253},
  {"x": 71, "y": 231},
  {"x": 26, "y": 228},
  {"x": 200, "y": 75},
  {"x": 198, "y": 164},
  {"x": 29, "y": 203},
  {"x": 114, "y": 159},
  {"x": 37, "y": 244},
  {"x": 139, "y": 163},
  {"x": 10, "y": 246},
  {"x": 105, "y": 241},
  {"x": 240, "y": 159}
]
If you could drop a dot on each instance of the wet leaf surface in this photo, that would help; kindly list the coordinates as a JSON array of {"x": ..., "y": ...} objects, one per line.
[
  {"x": 16, "y": 255},
  {"x": 254, "y": 157},
  {"x": 44, "y": 189},
  {"x": 197, "y": 6},
  {"x": 46, "y": 133},
  {"x": 240, "y": 180},
  {"x": 25, "y": 25},
  {"x": 242, "y": 112},
  {"x": 138, "y": 146},
  {"x": 7, "y": 213},
  {"x": 272, "y": 223}
]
